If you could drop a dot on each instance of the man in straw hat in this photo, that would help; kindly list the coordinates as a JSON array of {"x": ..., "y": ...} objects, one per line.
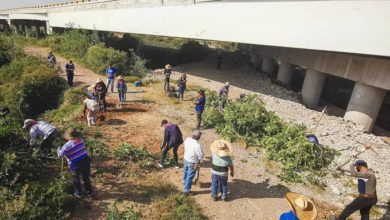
[
  {"x": 100, "y": 92},
  {"x": 122, "y": 89},
  {"x": 41, "y": 129},
  {"x": 302, "y": 208},
  {"x": 167, "y": 74},
  {"x": 173, "y": 138},
  {"x": 80, "y": 164},
  {"x": 193, "y": 155},
  {"x": 221, "y": 152},
  {"x": 367, "y": 191}
]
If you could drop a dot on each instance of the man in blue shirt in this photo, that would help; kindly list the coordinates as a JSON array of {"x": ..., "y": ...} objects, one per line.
[
  {"x": 199, "y": 107},
  {"x": 111, "y": 72}
]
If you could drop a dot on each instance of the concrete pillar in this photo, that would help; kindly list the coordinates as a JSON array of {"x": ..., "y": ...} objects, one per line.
[
  {"x": 49, "y": 30},
  {"x": 364, "y": 105},
  {"x": 267, "y": 65},
  {"x": 285, "y": 73},
  {"x": 312, "y": 88},
  {"x": 254, "y": 58}
]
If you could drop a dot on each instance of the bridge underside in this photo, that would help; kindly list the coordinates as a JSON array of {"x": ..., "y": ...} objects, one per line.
[{"x": 346, "y": 39}]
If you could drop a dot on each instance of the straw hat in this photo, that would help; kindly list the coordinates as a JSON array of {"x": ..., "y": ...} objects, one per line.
[
  {"x": 303, "y": 207},
  {"x": 120, "y": 77},
  {"x": 71, "y": 133},
  {"x": 168, "y": 66},
  {"x": 99, "y": 80},
  {"x": 221, "y": 148}
]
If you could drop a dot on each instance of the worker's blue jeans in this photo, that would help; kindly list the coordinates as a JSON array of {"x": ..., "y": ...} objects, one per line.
[
  {"x": 81, "y": 168},
  {"x": 219, "y": 182},
  {"x": 188, "y": 175},
  {"x": 110, "y": 82}
]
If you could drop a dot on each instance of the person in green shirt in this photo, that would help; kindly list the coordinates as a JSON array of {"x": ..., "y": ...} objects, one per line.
[{"x": 221, "y": 152}]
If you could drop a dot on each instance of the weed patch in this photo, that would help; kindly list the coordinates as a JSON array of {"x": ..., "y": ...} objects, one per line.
[{"x": 249, "y": 121}]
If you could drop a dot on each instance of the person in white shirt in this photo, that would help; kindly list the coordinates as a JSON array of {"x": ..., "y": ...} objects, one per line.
[
  {"x": 41, "y": 129},
  {"x": 91, "y": 107},
  {"x": 193, "y": 155}
]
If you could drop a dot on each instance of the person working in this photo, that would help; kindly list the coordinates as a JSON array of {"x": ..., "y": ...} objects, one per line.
[
  {"x": 41, "y": 129},
  {"x": 69, "y": 69},
  {"x": 91, "y": 107},
  {"x": 302, "y": 208},
  {"x": 173, "y": 138},
  {"x": 167, "y": 77},
  {"x": 367, "y": 191},
  {"x": 221, "y": 152},
  {"x": 111, "y": 72},
  {"x": 193, "y": 155},
  {"x": 199, "y": 108},
  {"x": 78, "y": 160}
]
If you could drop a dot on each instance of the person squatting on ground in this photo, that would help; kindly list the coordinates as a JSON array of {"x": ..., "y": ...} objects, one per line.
[
  {"x": 69, "y": 69},
  {"x": 80, "y": 164},
  {"x": 111, "y": 73},
  {"x": 51, "y": 59},
  {"x": 122, "y": 89},
  {"x": 221, "y": 152},
  {"x": 223, "y": 95},
  {"x": 100, "y": 93},
  {"x": 199, "y": 107},
  {"x": 367, "y": 191},
  {"x": 301, "y": 208},
  {"x": 193, "y": 156},
  {"x": 182, "y": 84},
  {"x": 167, "y": 77},
  {"x": 41, "y": 129},
  {"x": 173, "y": 138},
  {"x": 91, "y": 107}
]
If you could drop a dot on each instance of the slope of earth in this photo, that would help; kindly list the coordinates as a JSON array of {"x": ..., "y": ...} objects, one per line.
[{"x": 255, "y": 192}]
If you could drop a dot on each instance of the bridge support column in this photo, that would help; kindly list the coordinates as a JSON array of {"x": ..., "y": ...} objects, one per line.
[
  {"x": 285, "y": 73},
  {"x": 49, "y": 30},
  {"x": 312, "y": 88},
  {"x": 254, "y": 58},
  {"x": 267, "y": 65},
  {"x": 364, "y": 105}
]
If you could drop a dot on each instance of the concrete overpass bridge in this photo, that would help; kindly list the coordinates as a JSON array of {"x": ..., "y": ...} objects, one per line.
[{"x": 347, "y": 39}]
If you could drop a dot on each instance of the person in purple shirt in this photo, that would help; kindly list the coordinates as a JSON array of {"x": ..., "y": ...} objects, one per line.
[
  {"x": 80, "y": 164},
  {"x": 173, "y": 138},
  {"x": 199, "y": 107},
  {"x": 111, "y": 72}
]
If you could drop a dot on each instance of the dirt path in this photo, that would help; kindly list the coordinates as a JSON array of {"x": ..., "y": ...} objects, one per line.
[{"x": 255, "y": 192}]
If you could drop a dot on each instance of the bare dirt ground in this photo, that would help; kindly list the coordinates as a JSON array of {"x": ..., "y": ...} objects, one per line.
[{"x": 255, "y": 192}]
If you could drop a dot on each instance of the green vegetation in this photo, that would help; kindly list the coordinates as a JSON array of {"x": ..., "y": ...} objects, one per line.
[
  {"x": 127, "y": 152},
  {"x": 114, "y": 214},
  {"x": 249, "y": 121},
  {"x": 181, "y": 207},
  {"x": 86, "y": 48},
  {"x": 28, "y": 88}
]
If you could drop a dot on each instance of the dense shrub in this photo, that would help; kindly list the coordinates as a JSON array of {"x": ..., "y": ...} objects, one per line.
[
  {"x": 73, "y": 43},
  {"x": 30, "y": 87},
  {"x": 98, "y": 57},
  {"x": 34, "y": 201},
  {"x": 192, "y": 51},
  {"x": 247, "y": 120},
  {"x": 8, "y": 50}
]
